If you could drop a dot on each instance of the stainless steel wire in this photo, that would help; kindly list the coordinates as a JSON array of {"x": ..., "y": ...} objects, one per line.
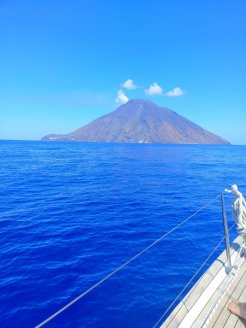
[{"x": 165, "y": 235}]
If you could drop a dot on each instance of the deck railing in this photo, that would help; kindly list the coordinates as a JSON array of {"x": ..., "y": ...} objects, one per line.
[{"x": 229, "y": 266}]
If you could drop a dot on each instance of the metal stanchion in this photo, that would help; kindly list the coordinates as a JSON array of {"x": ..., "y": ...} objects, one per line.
[{"x": 228, "y": 253}]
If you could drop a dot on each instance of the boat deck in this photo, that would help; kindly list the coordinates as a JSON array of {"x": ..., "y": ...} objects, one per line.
[
  {"x": 237, "y": 292},
  {"x": 205, "y": 306}
]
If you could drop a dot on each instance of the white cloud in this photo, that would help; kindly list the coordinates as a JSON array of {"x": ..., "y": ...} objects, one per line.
[
  {"x": 154, "y": 89},
  {"x": 129, "y": 84},
  {"x": 121, "y": 97},
  {"x": 175, "y": 92}
]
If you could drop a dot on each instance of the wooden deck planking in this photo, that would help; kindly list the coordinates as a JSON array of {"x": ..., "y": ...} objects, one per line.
[
  {"x": 206, "y": 311},
  {"x": 239, "y": 295},
  {"x": 222, "y": 317}
]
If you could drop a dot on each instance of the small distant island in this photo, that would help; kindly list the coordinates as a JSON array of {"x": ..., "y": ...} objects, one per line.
[{"x": 141, "y": 121}]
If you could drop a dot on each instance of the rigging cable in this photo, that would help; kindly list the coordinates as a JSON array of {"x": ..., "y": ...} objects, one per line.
[{"x": 123, "y": 265}]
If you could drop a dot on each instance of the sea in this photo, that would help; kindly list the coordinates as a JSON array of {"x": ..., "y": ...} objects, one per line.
[{"x": 71, "y": 213}]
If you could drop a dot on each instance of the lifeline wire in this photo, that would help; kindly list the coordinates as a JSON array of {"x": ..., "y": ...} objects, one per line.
[
  {"x": 188, "y": 283},
  {"x": 122, "y": 266}
]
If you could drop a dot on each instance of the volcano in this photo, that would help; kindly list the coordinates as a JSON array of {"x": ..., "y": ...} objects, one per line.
[{"x": 141, "y": 121}]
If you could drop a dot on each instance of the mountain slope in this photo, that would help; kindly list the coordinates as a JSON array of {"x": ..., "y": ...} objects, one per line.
[{"x": 141, "y": 121}]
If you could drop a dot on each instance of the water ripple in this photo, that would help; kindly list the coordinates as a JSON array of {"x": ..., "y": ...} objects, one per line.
[{"x": 72, "y": 212}]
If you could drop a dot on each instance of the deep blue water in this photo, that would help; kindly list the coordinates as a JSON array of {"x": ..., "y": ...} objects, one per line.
[{"x": 72, "y": 212}]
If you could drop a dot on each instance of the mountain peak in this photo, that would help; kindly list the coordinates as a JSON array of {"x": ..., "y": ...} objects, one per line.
[
  {"x": 141, "y": 121},
  {"x": 139, "y": 102}
]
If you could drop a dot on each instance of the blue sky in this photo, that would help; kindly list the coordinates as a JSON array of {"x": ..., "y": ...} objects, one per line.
[{"x": 63, "y": 63}]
